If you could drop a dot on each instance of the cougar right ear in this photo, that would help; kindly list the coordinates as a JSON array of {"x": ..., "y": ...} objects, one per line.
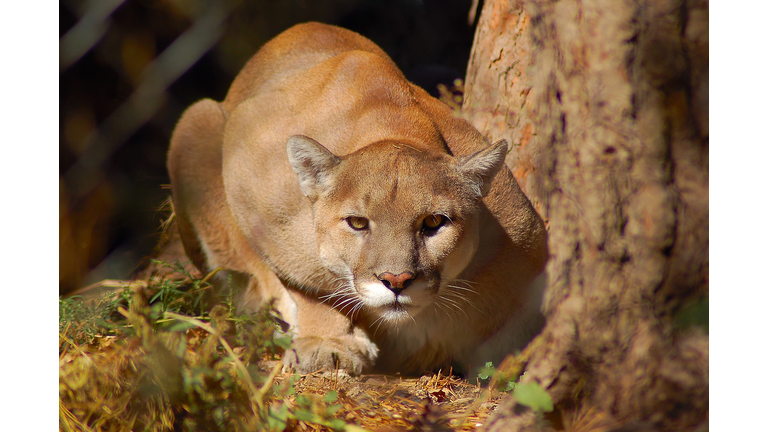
[
  {"x": 481, "y": 167},
  {"x": 313, "y": 164}
]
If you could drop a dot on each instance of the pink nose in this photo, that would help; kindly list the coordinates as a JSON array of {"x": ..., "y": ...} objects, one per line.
[{"x": 397, "y": 283}]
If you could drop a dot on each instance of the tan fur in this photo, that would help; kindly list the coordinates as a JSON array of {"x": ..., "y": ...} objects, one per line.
[{"x": 319, "y": 127}]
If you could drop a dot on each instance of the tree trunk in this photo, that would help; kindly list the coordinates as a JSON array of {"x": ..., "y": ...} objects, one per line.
[
  {"x": 497, "y": 89},
  {"x": 606, "y": 105}
]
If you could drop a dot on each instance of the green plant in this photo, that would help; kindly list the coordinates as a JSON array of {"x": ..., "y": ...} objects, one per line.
[
  {"x": 501, "y": 380},
  {"x": 533, "y": 396},
  {"x": 84, "y": 321},
  {"x": 133, "y": 361}
]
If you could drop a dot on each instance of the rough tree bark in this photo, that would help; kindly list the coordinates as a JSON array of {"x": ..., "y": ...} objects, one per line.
[
  {"x": 497, "y": 88},
  {"x": 606, "y": 104}
]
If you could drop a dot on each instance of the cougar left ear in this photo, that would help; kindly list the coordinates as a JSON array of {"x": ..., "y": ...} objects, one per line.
[
  {"x": 481, "y": 167},
  {"x": 313, "y": 164}
]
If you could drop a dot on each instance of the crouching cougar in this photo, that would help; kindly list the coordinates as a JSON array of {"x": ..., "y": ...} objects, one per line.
[{"x": 388, "y": 231}]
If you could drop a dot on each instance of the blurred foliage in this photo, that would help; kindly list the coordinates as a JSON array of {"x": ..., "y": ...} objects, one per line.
[
  {"x": 127, "y": 361},
  {"x": 128, "y": 68},
  {"x": 532, "y": 395},
  {"x": 694, "y": 314}
]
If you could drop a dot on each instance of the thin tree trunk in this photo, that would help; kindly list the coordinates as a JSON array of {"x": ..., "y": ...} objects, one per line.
[{"x": 612, "y": 144}]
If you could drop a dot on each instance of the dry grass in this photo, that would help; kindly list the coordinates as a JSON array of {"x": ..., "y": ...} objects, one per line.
[
  {"x": 380, "y": 402},
  {"x": 150, "y": 356}
]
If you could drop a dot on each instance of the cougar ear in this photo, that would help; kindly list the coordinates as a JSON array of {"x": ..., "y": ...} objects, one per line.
[
  {"x": 481, "y": 167},
  {"x": 313, "y": 163}
]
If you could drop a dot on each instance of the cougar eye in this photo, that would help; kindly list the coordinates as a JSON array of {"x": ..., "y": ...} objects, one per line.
[
  {"x": 433, "y": 222},
  {"x": 357, "y": 223}
]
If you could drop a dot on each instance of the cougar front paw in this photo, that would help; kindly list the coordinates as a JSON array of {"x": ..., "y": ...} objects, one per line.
[{"x": 313, "y": 353}]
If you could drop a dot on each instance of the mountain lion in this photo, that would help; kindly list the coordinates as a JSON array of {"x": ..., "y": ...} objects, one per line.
[{"x": 389, "y": 232}]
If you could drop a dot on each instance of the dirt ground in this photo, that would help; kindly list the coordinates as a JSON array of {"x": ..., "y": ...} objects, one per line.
[{"x": 385, "y": 402}]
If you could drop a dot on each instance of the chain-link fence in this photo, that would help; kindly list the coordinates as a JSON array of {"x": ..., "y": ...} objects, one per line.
[{"x": 128, "y": 68}]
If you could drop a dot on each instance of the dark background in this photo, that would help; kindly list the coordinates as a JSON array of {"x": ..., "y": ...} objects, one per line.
[{"x": 128, "y": 68}]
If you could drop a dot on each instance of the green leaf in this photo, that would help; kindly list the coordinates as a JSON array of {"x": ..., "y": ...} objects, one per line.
[
  {"x": 283, "y": 342},
  {"x": 156, "y": 311},
  {"x": 303, "y": 401},
  {"x": 695, "y": 313},
  {"x": 333, "y": 409},
  {"x": 331, "y": 396},
  {"x": 180, "y": 326},
  {"x": 278, "y": 418},
  {"x": 533, "y": 396},
  {"x": 337, "y": 424},
  {"x": 181, "y": 348},
  {"x": 306, "y": 416},
  {"x": 486, "y": 372}
]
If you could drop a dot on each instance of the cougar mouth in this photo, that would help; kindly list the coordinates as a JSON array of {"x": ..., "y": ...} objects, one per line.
[
  {"x": 402, "y": 308},
  {"x": 395, "y": 305},
  {"x": 397, "y": 312}
]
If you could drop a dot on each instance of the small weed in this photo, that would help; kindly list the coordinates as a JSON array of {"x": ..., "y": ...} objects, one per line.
[
  {"x": 85, "y": 321},
  {"x": 501, "y": 380}
]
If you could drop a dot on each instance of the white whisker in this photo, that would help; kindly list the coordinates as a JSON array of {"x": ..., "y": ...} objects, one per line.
[
  {"x": 453, "y": 305},
  {"x": 340, "y": 303},
  {"x": 460, "y": 291},
  {"x": 355, "y": 309},
  {"x": 436, "y": 304},
  {"x": 379, "y": 320}
]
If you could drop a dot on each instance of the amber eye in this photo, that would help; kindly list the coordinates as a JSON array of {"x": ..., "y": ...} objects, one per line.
[
  {"x": 357, "y": 223},
  {"x": 433, "y": 222}
]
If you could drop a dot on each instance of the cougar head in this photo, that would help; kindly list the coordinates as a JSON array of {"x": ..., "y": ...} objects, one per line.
[{"x": 395, "y": 222}]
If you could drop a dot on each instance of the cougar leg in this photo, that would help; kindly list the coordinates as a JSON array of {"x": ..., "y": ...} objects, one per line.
[
  {"x": 327, "y": 339},
  {"x": 194, "y": 165}
]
